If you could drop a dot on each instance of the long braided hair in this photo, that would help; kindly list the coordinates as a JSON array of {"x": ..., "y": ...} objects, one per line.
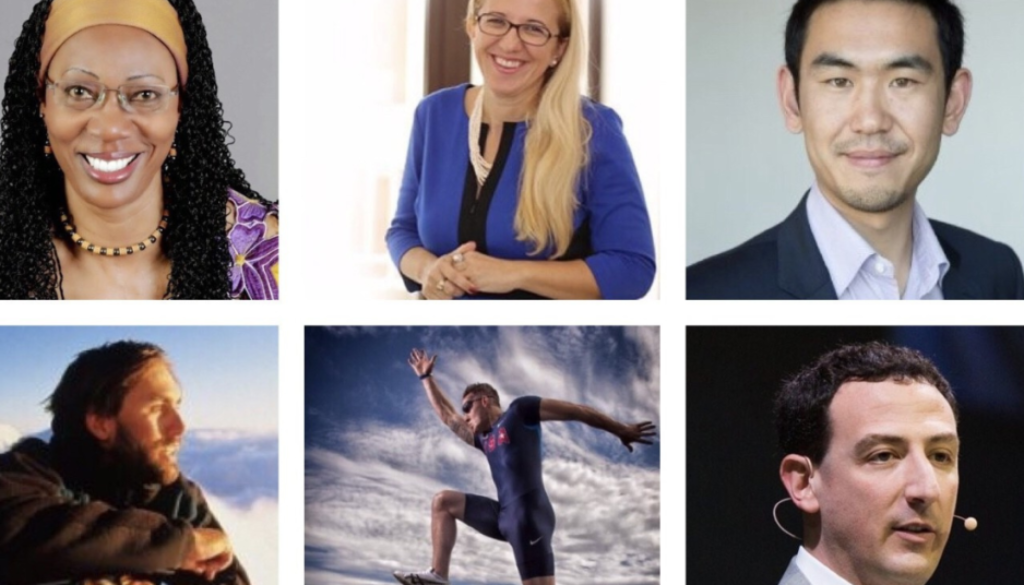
[{"x": 195, "y": 189}]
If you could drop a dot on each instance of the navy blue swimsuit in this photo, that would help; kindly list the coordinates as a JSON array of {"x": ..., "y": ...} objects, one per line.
[{"x": 523, "y": 515}]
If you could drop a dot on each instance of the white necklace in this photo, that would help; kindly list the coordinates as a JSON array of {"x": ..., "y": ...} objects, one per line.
[{"x": 481, "y": 167}]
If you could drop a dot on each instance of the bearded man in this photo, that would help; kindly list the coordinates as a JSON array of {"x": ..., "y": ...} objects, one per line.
[{"x": 104, "y": 500}]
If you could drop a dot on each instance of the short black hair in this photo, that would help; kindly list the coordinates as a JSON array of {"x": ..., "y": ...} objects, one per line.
[
  {"x": 801, "y": 407},
  {"x": 485, "y": 389},
  {"x": 948, "y": 19},
  {"x": 97, "y": 381}
]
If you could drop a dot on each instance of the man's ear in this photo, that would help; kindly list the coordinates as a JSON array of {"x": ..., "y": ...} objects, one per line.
[
  {"x": 104, "y": 428},
  {"x": 786, "y": 87},
  {"x": 956, "y": 102},
  {"x": 796, "y": 472}
]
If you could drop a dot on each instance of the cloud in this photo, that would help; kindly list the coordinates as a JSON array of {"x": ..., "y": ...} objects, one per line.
[
  {"x": 8, "y": 437},
  {"x": 368, "y": 511},
  {"x": 237, "y": 471},
  {"x": 253, "y": 531},
  {"x": 239, "y": 466}
]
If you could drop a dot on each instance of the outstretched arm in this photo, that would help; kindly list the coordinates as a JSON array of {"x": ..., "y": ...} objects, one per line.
[
  {"x": 642, "y": 432},
  {"x": 423, "y": 365}
]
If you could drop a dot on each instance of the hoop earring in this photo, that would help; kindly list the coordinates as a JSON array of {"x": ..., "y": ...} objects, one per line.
[{"x": 775, "y": 516}]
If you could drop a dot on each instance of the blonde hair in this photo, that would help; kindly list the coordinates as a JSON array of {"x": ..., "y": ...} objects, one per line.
[{"x": 556, "y": 149}]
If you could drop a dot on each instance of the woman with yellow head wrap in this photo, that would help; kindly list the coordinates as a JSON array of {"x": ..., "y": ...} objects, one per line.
[{"x": 115, "y": 175}]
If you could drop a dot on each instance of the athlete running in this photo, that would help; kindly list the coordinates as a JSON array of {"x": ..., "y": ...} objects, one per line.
[{"x": 522, "y": 516}]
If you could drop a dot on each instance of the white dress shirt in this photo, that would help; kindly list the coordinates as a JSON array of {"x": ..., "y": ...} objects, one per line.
[
  {"x": 859, "y": 272},
  {"x": 815, "y": 571}
]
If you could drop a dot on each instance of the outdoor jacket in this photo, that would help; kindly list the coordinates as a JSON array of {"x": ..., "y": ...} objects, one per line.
[{"x": 65, "y": 517}]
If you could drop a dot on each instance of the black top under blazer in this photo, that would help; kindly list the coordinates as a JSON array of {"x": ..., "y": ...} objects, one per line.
[{"x": 784, "y": 262}]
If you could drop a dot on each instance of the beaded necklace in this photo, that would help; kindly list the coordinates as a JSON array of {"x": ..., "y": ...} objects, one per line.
[{"x": 104, "y": 251}]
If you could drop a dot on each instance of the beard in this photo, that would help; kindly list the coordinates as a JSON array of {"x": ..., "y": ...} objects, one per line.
[{"x": 139, "y": 464}]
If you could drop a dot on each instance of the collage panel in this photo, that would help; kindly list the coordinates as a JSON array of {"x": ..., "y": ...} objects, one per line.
[
  {"x": 139, "y": 155},
  {"x": 854, "y": 150},
  {"x": 494, "y": 136},
  {"x": 142, "y": 455},
  {"x": 880, "y": 451},
  {"x": 538, "y": 447}
]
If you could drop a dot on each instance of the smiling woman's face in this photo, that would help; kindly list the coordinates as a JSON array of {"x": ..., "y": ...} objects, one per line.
[
  {"x": 511, "y": 68},
  {"x": 111, "y": 158}
]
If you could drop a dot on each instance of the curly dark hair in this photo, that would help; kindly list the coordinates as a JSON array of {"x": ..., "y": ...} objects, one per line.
[
  {"x": 32, "y": 185},
  {"x": 801, "y": 407}
]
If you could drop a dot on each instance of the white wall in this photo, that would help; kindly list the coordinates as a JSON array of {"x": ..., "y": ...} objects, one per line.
[
  {"x": 626, "y": 88},
  {"x": 746, "y": 172}
]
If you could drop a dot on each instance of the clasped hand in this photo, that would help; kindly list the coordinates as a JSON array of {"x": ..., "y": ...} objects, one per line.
[
  {"x": 210, "y": 553},
  {"x": 466, "y": 271}
]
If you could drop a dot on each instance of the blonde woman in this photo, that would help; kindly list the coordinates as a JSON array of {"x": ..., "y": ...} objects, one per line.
[{"x": 520, "y": 188}]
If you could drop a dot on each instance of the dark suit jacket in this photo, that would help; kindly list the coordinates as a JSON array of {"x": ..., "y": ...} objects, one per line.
[{"x": 784, "y": 263}]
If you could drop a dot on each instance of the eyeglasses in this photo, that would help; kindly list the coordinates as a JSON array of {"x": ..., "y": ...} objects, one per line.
[
  {"x": 531, "y": 33},
  {"x": 468, "y": 405},
  {"x": 135, "y": 98}
]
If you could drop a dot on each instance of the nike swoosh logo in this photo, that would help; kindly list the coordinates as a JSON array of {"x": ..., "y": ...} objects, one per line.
[{"x": 533, "y": 542}]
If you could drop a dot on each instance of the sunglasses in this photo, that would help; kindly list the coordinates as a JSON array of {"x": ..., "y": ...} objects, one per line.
[{"x": 468, "y": 405}]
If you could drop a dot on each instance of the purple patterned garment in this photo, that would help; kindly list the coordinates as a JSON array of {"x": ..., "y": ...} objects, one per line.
[{"x": 254, "y": 273}]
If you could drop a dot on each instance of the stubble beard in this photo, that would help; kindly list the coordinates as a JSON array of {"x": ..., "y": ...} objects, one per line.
[
  {"x": 873, "y": 200},
  {"x": 139, "y": 465}
]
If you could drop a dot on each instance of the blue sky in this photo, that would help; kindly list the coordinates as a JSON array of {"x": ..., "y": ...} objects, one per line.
[
  {"x": 376, "y": 453},
  {"x": 229, "y": 381},
  {"x": 223, "y": 371}
]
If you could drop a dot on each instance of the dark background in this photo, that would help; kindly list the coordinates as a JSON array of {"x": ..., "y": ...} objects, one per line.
[{"x": 733, "y": 457}]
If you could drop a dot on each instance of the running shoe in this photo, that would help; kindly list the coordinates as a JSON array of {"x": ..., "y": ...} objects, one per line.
[{"x": 428, "y": 577}]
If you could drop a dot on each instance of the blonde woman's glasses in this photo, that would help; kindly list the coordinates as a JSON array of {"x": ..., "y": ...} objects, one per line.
[
  {"x": 531, "y": 33},
  {"x": 134, "y": 98}
]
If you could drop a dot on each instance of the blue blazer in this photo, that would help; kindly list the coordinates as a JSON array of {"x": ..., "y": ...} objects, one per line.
[
  {"x": 439, "y": 207},
  {"x": 784, "y": 262}
]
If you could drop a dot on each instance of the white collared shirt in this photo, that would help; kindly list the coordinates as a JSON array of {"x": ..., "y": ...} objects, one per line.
[
  {"x": 816, "y": 571},
  {"x": 859, "y": 272}
]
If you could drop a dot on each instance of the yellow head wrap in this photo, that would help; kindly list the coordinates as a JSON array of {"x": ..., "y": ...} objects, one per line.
[{"x": 157, "y": 17}]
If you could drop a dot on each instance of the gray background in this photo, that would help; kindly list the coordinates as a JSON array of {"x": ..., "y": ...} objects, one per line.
[
  {"x": 746, "y": 172},
  {"x": 243, "y": 37}
]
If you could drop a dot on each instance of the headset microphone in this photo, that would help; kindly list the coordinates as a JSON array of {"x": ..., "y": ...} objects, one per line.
[{"x": 970, "y": 523}]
